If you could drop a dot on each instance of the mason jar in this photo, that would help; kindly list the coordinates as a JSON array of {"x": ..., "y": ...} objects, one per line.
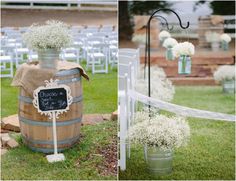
[{"x": 184, "y": 64}]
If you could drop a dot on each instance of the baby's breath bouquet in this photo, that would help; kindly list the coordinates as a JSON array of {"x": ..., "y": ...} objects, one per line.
[
  {"x": 225, "y": 72},
  {"x": 225, "y": 39},
  {"x": 226, "y": 76},
  {"x": 169, "y": 43},
  {"x": 214, "y": 39},
  {"x": 48, "y": 40},
  {"x": 162, "y": 88},
  {"x": 163, "y": 35},
  {"x": 139, "y": 38},
  {"x": 160, "y": 131},
  {"x": 52, "y": 35}
]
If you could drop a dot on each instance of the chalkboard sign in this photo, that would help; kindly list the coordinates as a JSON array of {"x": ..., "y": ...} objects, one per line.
[{"x": 52, "y": 99}]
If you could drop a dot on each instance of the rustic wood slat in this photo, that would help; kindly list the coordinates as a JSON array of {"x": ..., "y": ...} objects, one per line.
[{"x": 193, "y": 81}]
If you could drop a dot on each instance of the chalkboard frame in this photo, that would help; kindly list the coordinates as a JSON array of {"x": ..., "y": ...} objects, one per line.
[{"x": 52, "y": 84}]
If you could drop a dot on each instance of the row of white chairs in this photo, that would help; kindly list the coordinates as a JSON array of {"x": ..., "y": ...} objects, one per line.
[
  {"x": 98, "y": 55},
  {"x": 73, "y": 29}
]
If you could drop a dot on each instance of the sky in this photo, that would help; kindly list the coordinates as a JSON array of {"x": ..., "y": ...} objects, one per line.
[{"x": 186, "y": 13}]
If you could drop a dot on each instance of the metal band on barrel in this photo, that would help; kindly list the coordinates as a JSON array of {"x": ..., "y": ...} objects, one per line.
[
  {"x": 67, "y": 72},
  {"x": 50, "y": 142},
  {"x": 43, "y": 123}
]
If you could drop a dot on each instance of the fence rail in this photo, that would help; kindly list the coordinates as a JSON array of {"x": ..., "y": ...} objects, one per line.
[{"x": 106, "y": 5}]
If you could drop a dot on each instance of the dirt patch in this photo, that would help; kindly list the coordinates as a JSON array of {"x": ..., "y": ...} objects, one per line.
[
  {"x": 109, "y": 153},
  {"x": 26, "y": 17}
]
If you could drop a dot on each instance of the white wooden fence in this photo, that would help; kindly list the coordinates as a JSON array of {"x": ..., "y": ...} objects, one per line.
[
  {"x": 105, "y": 5},
  {"x": 128, "y": 98}
]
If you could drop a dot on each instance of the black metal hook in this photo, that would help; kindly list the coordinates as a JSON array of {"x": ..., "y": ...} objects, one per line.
[
  {"x": 166, "y": 22},
  {"x": 147, "y": 45},
  {"x": 166, "y": 9},
  {"x": 168, "y": 27}
]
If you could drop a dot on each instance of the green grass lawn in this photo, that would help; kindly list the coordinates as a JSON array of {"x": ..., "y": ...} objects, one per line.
[
  {"x": 84, "y": 161},
  {"x": 100, "y": 94},
  {"x": 210, "y": 154}
]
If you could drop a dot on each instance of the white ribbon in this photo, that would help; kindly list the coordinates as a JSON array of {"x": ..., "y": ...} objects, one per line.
[{"x": 180, "y": 110}]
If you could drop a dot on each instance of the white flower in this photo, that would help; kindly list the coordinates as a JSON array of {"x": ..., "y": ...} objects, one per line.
[
  {"x": 161, "y": 131},
  {"x": 52, "y": 35},
  {"x": 164, "y": 34},
  {"x": 139, "y": 38},
  {"x": 212, "y": 37},
  {"x": 225, "y": 72},
  {"x": 169, "y": 42},
  {"x": 185, "y": 48},
  {"x": 161, "y": 87},
  {"x": 225, "y": 37}
]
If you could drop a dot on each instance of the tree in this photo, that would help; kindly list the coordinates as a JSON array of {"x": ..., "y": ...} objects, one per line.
[
  {"x": 147, "y": 7},
  {"x": 129, "y": 8},
  {"x": 125, "y": 28},
  {"x": 219, "y": 7}
]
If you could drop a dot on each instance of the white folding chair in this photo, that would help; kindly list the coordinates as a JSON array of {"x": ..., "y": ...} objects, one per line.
[
  {"x": 6, "y": 59},
  {"x": 133, "y": 53},
  {"x": 113, "y": 51},
  {"x": 97, "y": 58},
  {"x": 21, "y": 55},
  {"x": 69, "y": 54}
]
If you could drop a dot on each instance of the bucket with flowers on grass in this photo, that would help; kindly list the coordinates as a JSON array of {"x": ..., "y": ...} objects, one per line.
[
  {"x": 159, "y": 135},
  {"x": 226, "y": 76}
]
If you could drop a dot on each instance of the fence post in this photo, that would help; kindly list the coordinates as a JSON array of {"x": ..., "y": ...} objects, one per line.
[
  {"x": 78, "y": 4},
  {"x": 123, "y": 129}
]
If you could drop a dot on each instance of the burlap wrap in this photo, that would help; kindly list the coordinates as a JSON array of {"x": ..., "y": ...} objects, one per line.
[{"x": 30, "y": 76}]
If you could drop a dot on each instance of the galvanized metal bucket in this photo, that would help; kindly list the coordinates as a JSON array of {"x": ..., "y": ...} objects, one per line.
[
  {"x": 159, "y": 161},
  {"x": 228, "y": 86},
  {"x": 48, "y": 58}
]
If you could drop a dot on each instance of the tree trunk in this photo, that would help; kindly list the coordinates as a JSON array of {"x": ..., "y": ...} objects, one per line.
[{"x": 125, "y": 28}]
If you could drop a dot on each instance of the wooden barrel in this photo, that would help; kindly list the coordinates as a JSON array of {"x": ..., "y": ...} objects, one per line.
[{"x": 36, "y": 129}]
